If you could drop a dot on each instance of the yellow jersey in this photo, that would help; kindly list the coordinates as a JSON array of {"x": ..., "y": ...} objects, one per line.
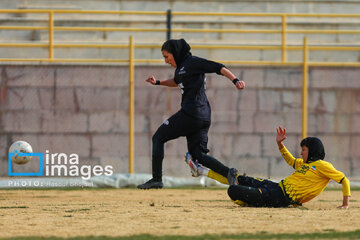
[{"x": 310, "y": 179}]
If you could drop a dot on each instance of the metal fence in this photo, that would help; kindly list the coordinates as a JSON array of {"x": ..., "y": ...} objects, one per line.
[{"x": 282, "y": 30}]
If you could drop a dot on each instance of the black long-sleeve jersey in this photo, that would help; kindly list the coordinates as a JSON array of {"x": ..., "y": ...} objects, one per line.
[{"x": 190, "y": 77}]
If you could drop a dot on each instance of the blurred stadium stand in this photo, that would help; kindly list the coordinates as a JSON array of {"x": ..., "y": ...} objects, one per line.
[{"x": 185, "y": 22}]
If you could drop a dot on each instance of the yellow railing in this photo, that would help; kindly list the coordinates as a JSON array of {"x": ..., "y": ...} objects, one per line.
[
  {"x": 131, "y": 105},
  {"x": 131, "y": 46},
  {"x": 305, "y": 89},
  {"x": 283, "y": 31}
]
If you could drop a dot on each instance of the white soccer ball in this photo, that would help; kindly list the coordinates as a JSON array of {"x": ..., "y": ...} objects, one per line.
[{"x": 20, "y": 147}]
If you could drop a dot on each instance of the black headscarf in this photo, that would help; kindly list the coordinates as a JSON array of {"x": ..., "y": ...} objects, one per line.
[
  {"x": 180, "y": 49},
  {"x": 316, "y": 148}
]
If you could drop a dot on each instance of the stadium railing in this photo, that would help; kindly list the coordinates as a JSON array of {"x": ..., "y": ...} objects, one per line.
[
  {"x": 131, "y": 46},
  {"x": 283, "y": 31}
]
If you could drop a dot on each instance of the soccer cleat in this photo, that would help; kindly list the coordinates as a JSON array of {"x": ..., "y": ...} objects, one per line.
[
  {"x": 151, "y": 184},
  {"x": 232, "y": 177},
  {"x": 192, "y": 164},
  {"x": 202, "y": 171}
]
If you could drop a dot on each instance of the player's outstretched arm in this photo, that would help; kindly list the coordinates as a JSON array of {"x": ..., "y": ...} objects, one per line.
[
  {"x": 169, "y": 83},
  {"x": 346, "y": 193},
  {"x": 227, "y": 73},
  {"x": 288, "y": 157}
]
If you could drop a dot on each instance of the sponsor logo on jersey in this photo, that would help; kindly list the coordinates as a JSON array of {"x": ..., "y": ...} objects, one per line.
[
  {"x": 182, "y": 71},
  {"x": 303, "y": 169}
]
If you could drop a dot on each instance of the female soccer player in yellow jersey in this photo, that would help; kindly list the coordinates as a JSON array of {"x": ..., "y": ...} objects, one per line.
[{"x": 310, "y": 178}]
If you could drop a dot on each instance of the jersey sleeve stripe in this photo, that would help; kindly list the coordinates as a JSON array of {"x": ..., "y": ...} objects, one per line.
[{"x": 342, "y": 179}]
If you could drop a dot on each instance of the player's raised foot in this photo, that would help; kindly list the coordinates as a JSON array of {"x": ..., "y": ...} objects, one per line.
[
  {"x": 232, "y": 177},
  {"x": 151, "y": 184},
  {"x": 192, "y": 164}
]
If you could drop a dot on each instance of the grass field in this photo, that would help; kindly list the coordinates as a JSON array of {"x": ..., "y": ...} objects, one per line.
[{"x": 168, "y": 214}]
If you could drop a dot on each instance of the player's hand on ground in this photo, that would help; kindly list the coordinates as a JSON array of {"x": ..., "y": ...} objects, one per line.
[
  {"x": 151, "y": 80},
  {"x": 281, "y": 134},
  {"x": 240, "y": 85},
  {"x": 345, "y": 204}
]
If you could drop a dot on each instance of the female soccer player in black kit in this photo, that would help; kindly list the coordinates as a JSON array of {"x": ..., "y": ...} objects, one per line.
[{"x": 194, "y": 118}]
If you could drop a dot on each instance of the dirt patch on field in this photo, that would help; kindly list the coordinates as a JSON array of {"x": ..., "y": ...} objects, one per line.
[{"x": 123, "y": 212}]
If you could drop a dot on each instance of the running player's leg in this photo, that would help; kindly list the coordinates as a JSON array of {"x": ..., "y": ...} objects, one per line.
[
  {"x": 197, "y": 146},
  {"x": 172, "y": 128},
  {"x": 176, "y": 126}
]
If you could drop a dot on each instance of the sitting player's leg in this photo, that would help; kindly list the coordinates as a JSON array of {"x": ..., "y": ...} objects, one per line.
[
  {"x": 252, "y": 181},
  {"x": 258, "y": 192},
  {"x": 249, "y": 195},
  {"x": 217, "y": 177},
  {"x": 199, "y": 170},
  {"x": 212, "y": 174}
]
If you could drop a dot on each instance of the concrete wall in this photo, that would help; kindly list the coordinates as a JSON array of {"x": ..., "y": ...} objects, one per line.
[{"x": 83, "y": 110}]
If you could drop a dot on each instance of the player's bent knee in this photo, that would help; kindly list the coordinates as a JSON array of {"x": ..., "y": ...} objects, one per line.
[
  {"x": 232, "y": 192},
  {"x": 157, "y": 138}
]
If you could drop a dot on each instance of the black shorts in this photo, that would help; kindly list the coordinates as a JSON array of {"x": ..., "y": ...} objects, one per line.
[
  {"x": 183, "y": 125},
  {"x": 258, "y": 192}
]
